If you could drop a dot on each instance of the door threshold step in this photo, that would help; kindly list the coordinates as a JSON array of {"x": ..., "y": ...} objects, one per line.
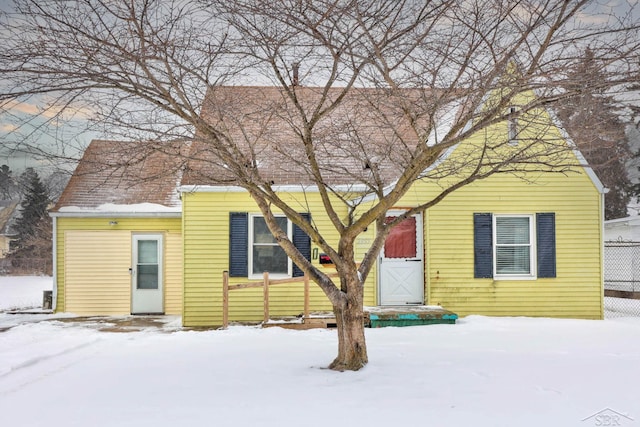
[
  {"x": 379, "y": 317},
  {"x": 374, "y": 317}
]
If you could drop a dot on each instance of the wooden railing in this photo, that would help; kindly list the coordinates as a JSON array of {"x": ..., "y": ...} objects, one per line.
[{"x": 265, "y": 283}]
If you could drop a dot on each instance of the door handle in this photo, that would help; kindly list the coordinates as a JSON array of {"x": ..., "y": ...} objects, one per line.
[{"x": 413, "y": 260}]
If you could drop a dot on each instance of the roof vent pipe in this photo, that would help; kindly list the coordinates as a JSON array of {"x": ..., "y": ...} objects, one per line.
[{"x": 295, "y": 67}]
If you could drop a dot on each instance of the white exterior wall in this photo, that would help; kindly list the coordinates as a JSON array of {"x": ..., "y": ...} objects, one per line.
[{"x": 623, "y": 229}]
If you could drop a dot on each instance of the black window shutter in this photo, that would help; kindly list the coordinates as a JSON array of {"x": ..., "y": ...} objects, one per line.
[
  {"x": 546, "y": 243},
  {"x": 482, "y": 245},
  {"x": 238, "y": 244},
  {"x": 303, "y": 243}
]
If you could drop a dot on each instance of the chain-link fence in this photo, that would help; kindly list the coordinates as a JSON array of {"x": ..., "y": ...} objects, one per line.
[{"x": 622, "y": 279}]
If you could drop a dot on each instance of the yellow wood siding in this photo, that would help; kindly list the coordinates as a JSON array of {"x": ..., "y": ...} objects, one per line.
[
  {"x": 94, "y": 276},
  {"x": 173, "y": 273},
  {"x": 93, "y": 260},
  {"x": 448, "y": 233},
  {"x": 577, "y": 289},
  {"x": 206, "y": 255},
  {"x": 96, "y": 272}
]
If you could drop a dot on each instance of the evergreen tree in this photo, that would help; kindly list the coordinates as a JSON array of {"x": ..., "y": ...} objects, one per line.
[
  {"x": 24, "y": 180},
  {"x": 34, "y": 208},
  {"x": 8, "y": 187},
  {"x": 592, "y": 119}
]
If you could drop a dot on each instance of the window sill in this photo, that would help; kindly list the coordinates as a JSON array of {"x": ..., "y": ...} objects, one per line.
[
  {"x": 514, "y": 277},
  {"x": 274, "y": 276}
]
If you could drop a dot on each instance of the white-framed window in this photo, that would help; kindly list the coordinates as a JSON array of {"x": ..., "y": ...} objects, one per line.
[
  {"x": 513, "y": 125},
  {"x": 514, "y": 247},
  {"x": 264, "y": 252}
]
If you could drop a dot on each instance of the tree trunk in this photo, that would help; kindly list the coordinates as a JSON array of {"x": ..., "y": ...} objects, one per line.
[{"x": 352, "y": 348}]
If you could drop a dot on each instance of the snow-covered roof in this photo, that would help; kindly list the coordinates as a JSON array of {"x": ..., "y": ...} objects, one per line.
[{"x": 117, "y": 177}]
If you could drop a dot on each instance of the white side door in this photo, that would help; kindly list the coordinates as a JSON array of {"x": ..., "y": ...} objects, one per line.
[
  {"x": 146, "y": 274},
  {"x": 401, "y": 278}
]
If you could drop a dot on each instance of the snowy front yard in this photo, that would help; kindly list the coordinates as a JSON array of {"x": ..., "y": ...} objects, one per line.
[{"x": 480, "y": 372}]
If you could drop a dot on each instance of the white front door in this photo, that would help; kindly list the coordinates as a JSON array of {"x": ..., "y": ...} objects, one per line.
[
  {"x": 146, "y": 273},
  {"x": 401, "y": 264}
]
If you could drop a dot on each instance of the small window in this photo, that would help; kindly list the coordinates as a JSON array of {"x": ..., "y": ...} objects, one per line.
[
  {"x": 264, "y": 252},
  {"x": 514, "y": 250},
  {"x": 245, "y": 242},
  {"x": 513, "y": 125},
  {"x": 514, "y": 246}
]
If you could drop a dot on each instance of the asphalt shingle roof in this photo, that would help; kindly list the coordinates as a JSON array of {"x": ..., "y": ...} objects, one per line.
[
  {"x": 125, "y": 173},
  {"x": 367, "y": 129},
  {"x": 260, "y": 129}
]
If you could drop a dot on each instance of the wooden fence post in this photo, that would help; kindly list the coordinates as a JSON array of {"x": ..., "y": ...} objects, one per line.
[
  {"x": 225, "y": 299},
  {"x": 306, "y": 296},
  {"x": 265, "y": 284}
]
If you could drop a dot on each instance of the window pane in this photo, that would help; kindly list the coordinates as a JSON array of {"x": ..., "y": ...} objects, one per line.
[
  {"x": 148, "y": 251},
  {"x": 147, "y": 277},
  {"x": 401, "y": 242},
  {"x": 513, "y": 260},
  {"x": 261, "y": 233},
  {"x": 271, "y": 259},
  {"x": 512, "y": 231}
]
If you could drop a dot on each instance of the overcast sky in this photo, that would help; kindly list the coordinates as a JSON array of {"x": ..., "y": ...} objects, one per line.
[{"x": 24, "y": 120}]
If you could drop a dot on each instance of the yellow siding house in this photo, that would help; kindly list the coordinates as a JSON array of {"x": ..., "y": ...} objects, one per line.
[{"x": 139, "y": 241}]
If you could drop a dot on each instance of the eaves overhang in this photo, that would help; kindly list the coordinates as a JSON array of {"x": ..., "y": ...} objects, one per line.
[
  {"x": 293, "y": 188},
  {"x": 90, "y": 214}
]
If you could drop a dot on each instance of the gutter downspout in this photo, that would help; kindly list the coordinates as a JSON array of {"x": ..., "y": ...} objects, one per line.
[
  {"x": 602, "y": 194},
  {"x": 54, "y": 267}
]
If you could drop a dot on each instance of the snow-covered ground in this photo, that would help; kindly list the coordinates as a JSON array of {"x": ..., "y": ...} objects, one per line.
[
  {"x": 480, "y": 372},
  {"x": 621, "y": 307},
  {"x": 22, "y": 292}
]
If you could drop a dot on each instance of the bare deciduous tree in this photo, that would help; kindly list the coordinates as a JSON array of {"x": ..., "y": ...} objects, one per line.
[{"x": 142, "y": 67}]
